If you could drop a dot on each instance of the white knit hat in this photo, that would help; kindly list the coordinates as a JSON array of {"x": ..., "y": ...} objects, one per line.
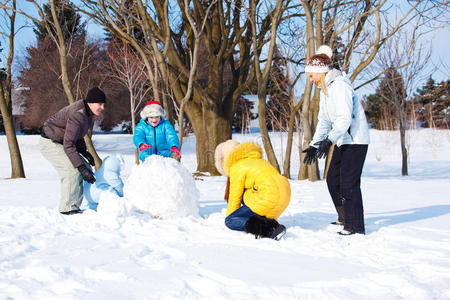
[
  {"x": 153, "y": 109},
  {"x": 221, "y": 153},
  {"x": 321, "y": 61}
]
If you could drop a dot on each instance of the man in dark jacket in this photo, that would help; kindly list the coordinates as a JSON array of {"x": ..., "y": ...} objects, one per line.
[{"x": 62, "y": 144}]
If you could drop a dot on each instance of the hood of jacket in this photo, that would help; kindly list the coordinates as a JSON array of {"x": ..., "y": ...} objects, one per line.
[
  {"x": 220, "y": 154},
  {"x": 112, "y": 164},
  {"x": 242, "y": 151},
  {"x": 335, "y": 74},
  {"x": 109, "y": 172}
]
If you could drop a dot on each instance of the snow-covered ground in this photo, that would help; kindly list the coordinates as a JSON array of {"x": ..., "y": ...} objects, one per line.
[{"x": 99, "y": 255}]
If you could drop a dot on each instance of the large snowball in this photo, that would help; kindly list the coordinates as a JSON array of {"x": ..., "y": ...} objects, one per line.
[{"x": 162, "y": 187}]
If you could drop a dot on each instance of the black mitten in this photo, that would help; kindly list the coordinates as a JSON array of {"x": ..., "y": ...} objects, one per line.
[
  {"x": 323, "y": 147},
  {"x": 310, "y": 155},
  {"x": 87, "y": 174}
]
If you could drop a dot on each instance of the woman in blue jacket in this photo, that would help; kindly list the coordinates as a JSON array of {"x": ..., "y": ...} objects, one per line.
[
  {"x": 154, "y": 134},
  {"x": 341, "y": 120}
]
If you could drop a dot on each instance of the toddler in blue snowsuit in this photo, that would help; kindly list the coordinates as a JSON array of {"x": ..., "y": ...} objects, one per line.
[
  {"x": 154, "y": 134},
  {"x": 107, "y": 179}
]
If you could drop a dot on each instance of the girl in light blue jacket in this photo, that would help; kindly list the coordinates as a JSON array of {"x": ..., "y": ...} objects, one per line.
[
  {"x": 154, "y": 135},
  {"x": 341, "y": 120}
]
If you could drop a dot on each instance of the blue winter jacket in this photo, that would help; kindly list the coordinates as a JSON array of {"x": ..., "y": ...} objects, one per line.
[
  {"x": 107, "y": 179},
  {"x": 341, "y": 115},
  {"x": 162, "y": 138}
]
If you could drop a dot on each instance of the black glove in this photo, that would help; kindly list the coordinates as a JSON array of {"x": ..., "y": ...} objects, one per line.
[
  {"x": 310, "y": 155},
  {"x": 323, "y": 147},
  {"x": 89, "y": 158},
  {"x": 86, "y": 174}
]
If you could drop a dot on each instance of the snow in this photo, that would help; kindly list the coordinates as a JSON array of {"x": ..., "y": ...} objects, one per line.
[
  {"x": 163, "y": 188},
  {"x": 121, "y": 252}
]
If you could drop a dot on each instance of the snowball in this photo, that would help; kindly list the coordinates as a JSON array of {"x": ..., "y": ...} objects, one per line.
[
  {"x": 112, "y": 205},
  {"x": 112, "y": 210},
  {"x": 162, "y": 187}
]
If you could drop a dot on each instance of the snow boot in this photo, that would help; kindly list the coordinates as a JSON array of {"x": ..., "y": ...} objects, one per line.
[
  {"x": 346, "y": 232},
  {"x": 260, "y": 226},
  {"x": 72, "y": 212},
  {"x": 340, "y": 212},
  {"x": 349, "y": 230},
  {"x": 278, "y": 232}
]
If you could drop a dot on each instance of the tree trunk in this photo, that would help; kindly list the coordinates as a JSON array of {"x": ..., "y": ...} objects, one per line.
[
  {"x": 168, "y": 106},
  {"x": 264, "y": 132},
  {"x": 311, "y": 171},
  {"x": 210, "y": 130},
  {"x": 290, "y": 139},
  {"x": 91, "y": 149},
  {"x": 328, "y": 160},
  {"x": 403, "y": 144},
  {"x": 61, "y": 44},
  {"x": 287, "y": 160},
  {"x": 17, "y": 170},
  {"x": 133, "y": 126},
  {"x": 65, "y": 75},
  {"x": 136, "y": 156}
]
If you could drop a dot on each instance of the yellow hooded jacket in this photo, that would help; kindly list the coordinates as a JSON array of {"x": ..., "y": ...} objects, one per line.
[{"x": 256, "y": 182}]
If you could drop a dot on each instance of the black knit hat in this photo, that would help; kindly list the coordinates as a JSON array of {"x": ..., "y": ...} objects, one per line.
[{"x": 95, "y": 95}]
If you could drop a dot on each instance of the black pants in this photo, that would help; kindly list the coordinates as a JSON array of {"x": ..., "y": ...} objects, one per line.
[{"x": 344, "y": 180}]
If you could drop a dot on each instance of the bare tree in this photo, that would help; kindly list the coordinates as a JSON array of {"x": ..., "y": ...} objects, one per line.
[
  {"x": 194, "y": 62},
  {"x": 56, "y": 34},
  {"x": 262, "y": 76},
  {"x": 400, "y": 82},
  {"x": 17, "y": 170},
  {"x": 364, "y": 26},
  {"x": 244, "y": 115},
  {"x": 289, "y": 57},
  {"x": 290, "y": 116},
  {"x": 39, "y": 72},
  {"x": 279, "y": 107},
  {"x": 166, "y": 33},
  {"x": 126, "y": 67}
]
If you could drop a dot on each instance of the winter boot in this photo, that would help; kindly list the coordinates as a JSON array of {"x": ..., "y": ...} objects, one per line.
[
  {"x": 346, "y": 232},
  {"x": 340, "y": 212},
  {"x": 72, "y": 212},
  {"x": 278, "y": 232},
  {"x": 349, "y": 230},
  {"x": 260, "y": 226}
]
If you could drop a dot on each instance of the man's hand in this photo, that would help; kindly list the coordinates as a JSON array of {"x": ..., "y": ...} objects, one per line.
[
  {"x": 87, "y": 174},
  {"x": 89, "y": 158}
]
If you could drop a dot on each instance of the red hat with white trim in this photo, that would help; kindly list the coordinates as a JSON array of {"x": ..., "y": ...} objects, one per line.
[{"x": 153, "y": 109}]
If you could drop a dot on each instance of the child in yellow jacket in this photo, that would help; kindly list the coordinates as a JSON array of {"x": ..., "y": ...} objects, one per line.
[{"x": 258, "y": 194}]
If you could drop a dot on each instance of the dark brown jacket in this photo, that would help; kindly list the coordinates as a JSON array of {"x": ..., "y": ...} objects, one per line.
[{"x": 68, "y": 127}]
